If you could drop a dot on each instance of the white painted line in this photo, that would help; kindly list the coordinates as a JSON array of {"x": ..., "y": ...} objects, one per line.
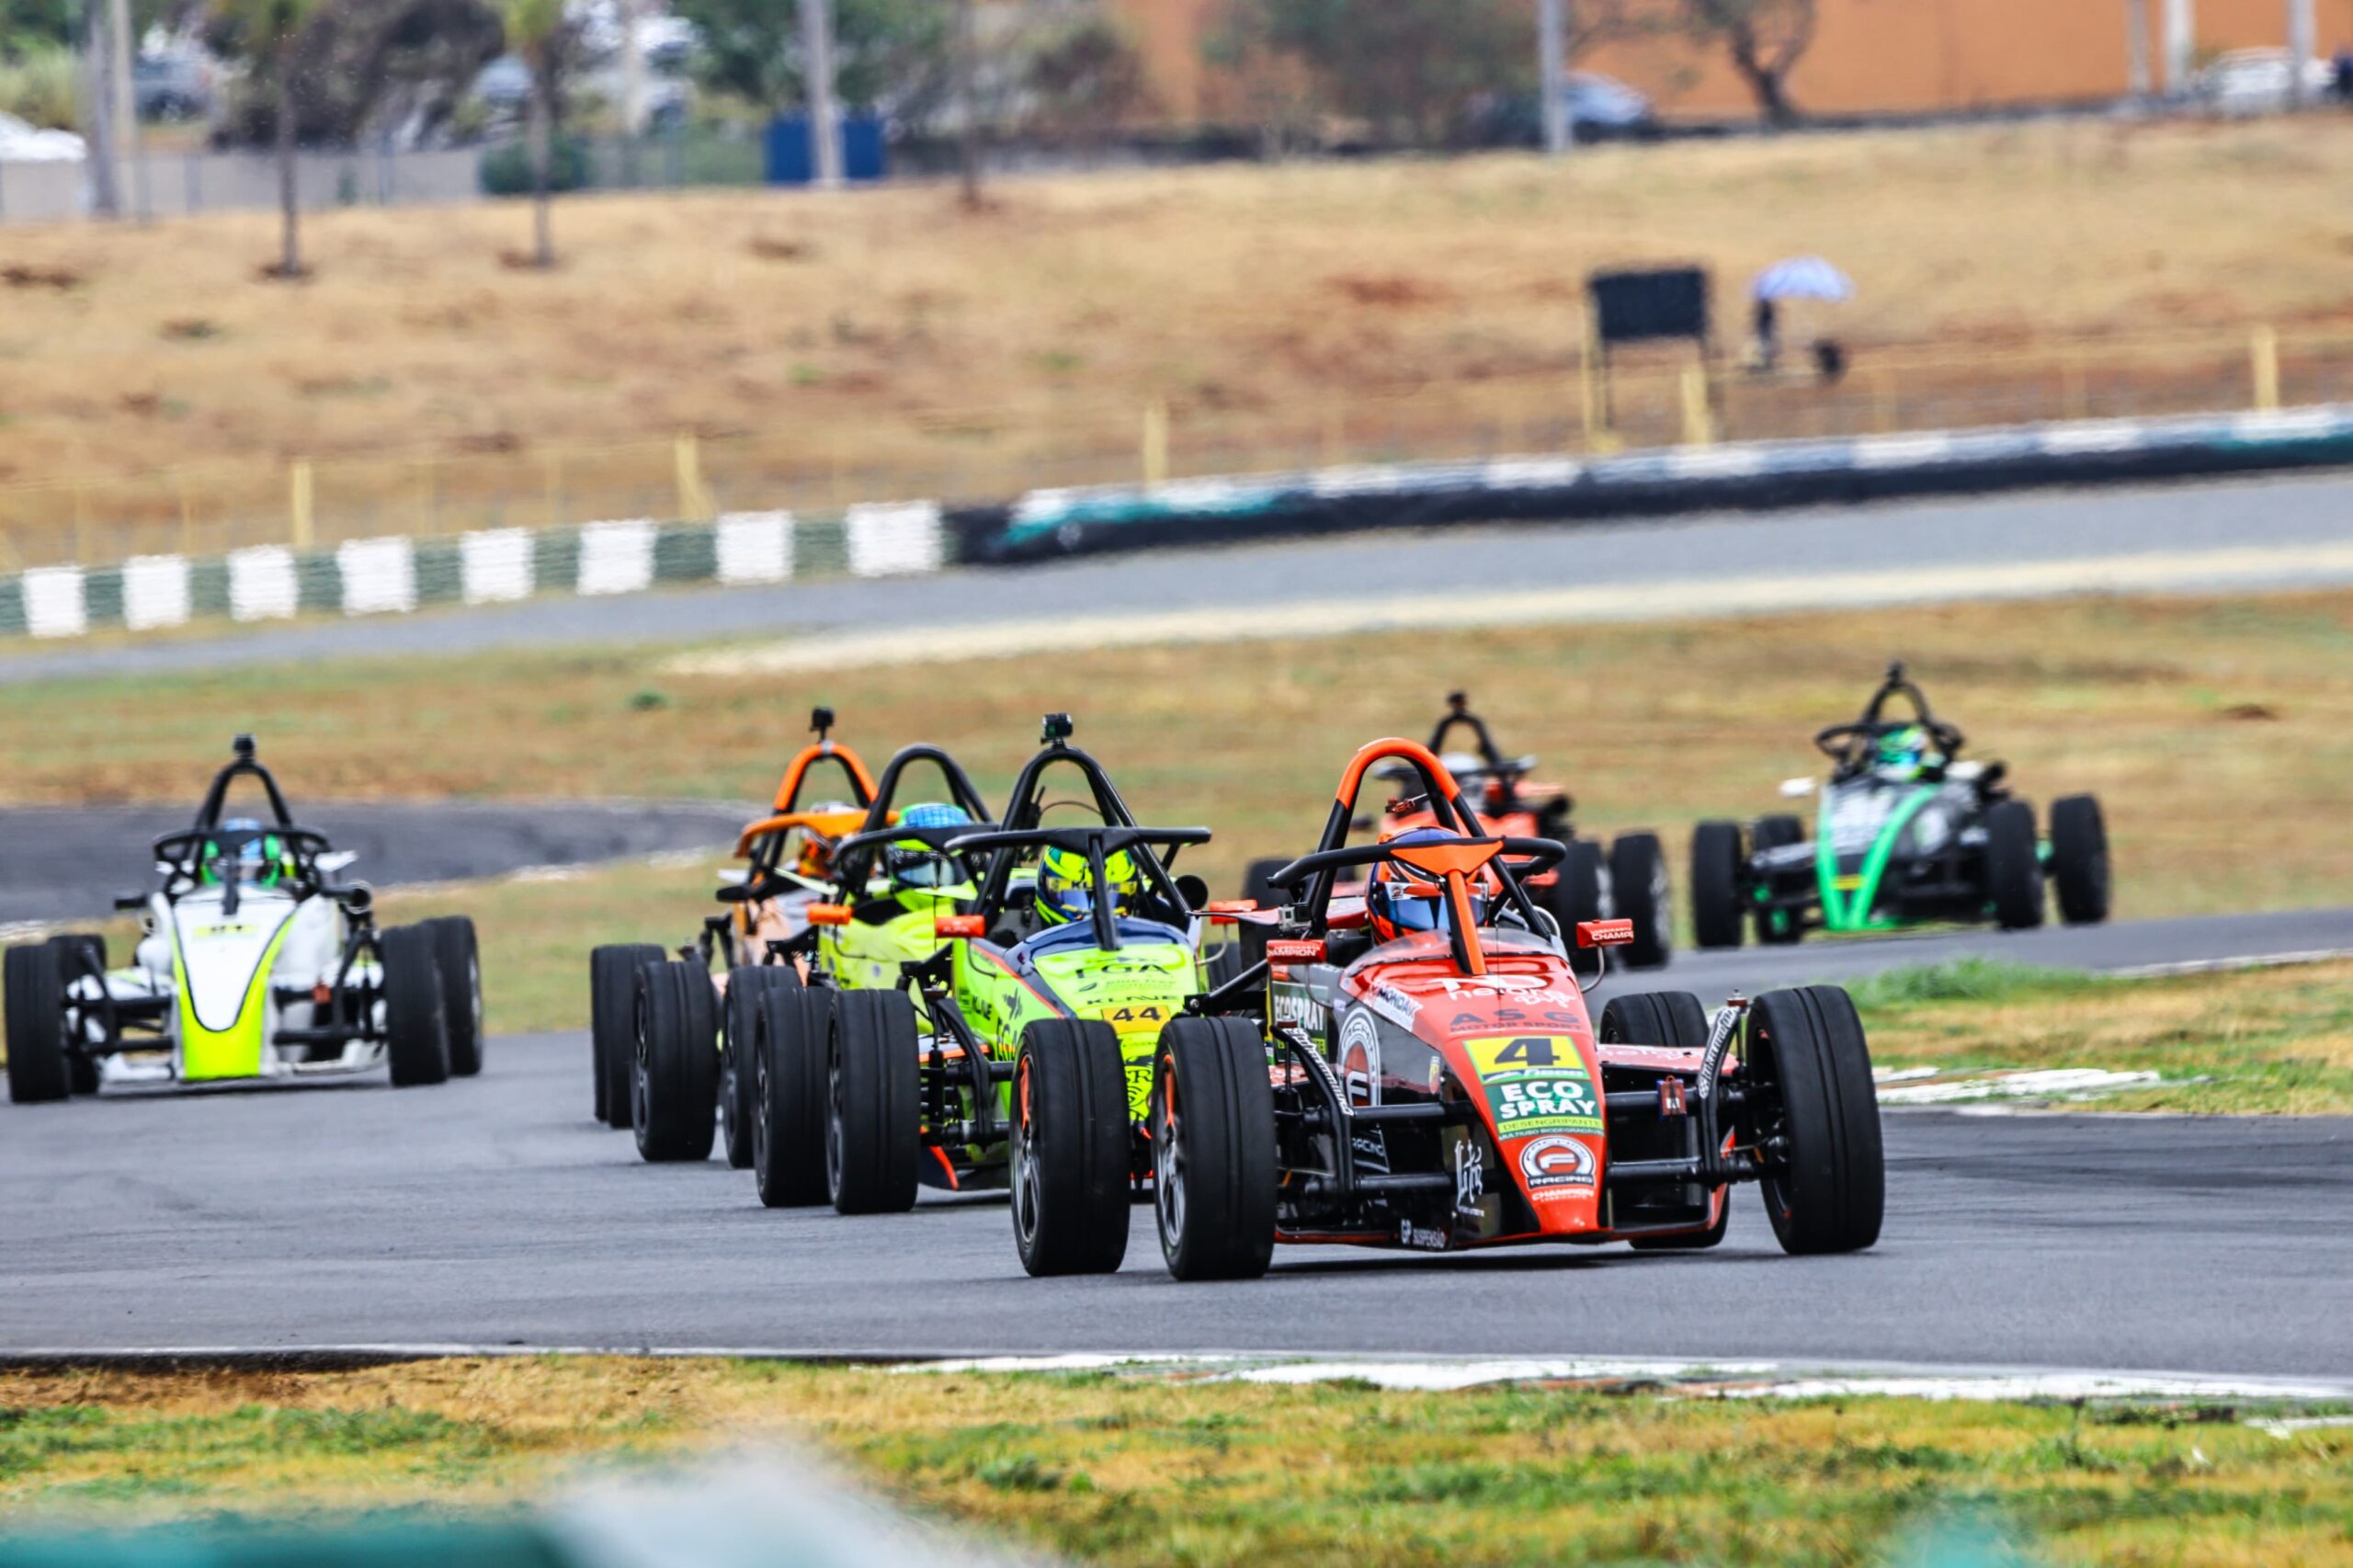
[
  {"x": 2287, "y": 425},
  {"x": 754, "y": 547},
  {"x": 494, "y": 566},
  {"x": 1901, "y": 451},
  {"x": 894, "y": 539},
  {"x": 2198, "y": 571},
  {"x": 1715, "y": 462},
  {"x": 154, "y": 591},
  {"x": 2049, "y": 1083},
  {"x": 2219, "y": 966},
  {"x": 2290, "y": 1428},
  {"x": 2092, "y": 436},
  {"x": 55, "y": 601},
  {"x": 616, "y": 557},
  {"x": 261, "y": 583},
  {"x": 378, "y": 576},
  {"x": 1360, "y": 479},
  {"x": 1531, "y": 473}
]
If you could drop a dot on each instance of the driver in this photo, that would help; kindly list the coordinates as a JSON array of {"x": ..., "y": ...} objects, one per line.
[
  {"x": 913, "y": 865},
  {"x": 1905, "y": 754},
  {"x": 1066, "y": 884},
  {"x": 816, "y": 861},
  {"x": 261, "y": 857},
  {"x": 1402, "y": 899}
]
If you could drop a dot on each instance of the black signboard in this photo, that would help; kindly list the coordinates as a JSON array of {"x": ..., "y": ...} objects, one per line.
[{"x": 1667, "y": 302}]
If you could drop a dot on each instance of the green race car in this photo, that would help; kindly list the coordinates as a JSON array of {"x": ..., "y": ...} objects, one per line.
[{"x": 1070, "y": 937}]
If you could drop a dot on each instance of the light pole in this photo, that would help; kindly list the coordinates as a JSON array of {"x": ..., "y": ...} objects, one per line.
[
  {"x": 2181, "y": 36},
  {"x": 824, "y": 115},
  {"x": 2136, "y": 46},
  {"x": 2301, "y": 34},
  {"x": 1552, "y": 77}
]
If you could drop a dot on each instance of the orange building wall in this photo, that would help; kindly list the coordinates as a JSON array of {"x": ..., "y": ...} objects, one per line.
[{"x": 1868, "y": 56}]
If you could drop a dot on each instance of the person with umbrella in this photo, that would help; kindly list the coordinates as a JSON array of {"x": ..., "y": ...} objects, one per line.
[{"x": 1799, "y": 277}]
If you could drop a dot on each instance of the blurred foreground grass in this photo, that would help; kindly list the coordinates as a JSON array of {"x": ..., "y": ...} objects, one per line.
[{"x": 1129, "y": 1471}]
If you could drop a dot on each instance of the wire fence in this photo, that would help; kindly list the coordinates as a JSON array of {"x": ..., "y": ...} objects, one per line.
[{"x": 995, "y": 454}]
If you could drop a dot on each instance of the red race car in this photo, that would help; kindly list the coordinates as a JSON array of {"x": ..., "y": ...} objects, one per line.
[{"x": 1417, "y": 1067}]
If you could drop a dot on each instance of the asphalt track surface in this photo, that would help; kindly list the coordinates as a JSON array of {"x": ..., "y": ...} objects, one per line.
[
  {"x": 2018, "y": 529},
  {"x": 68, "y": 862},
  {"x": 491, "y": 1211}
]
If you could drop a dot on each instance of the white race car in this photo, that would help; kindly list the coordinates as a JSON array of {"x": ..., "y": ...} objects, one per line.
[{"x": 253, "y": 964}]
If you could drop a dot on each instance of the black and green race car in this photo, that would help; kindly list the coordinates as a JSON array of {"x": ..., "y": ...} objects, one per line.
[{"x": 1906, "y": 834}]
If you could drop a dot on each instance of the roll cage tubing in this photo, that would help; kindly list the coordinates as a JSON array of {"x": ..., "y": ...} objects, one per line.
[
  {"x": 1458, "y": 712},
  {"x": 208, "y": 815},
  {"x": 1455, "y": 862},
  {"x": 1843, "y": 742},
  {"x": 1099, "y": 845},
  {"x": 304, "y": 843},
  {"x": 853, "y": 858},
  {"x": 824, "y": 748}
]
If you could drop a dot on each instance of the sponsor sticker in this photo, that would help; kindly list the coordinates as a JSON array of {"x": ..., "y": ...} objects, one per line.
[
  {"x": 1559, "y": 1104},
  {"x": 1421, "y": 1238},
  {"x": 1522, "y": 1056},
  {"x": 1556, "y": 1167}
]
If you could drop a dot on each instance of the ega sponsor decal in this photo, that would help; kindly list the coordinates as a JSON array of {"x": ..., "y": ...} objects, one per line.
[
  {"x": 1556, "y": 1167},
  {"x": 1558, "y": 1104}
]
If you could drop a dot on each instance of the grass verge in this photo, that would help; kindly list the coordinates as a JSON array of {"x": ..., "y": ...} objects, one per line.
[{"x": 1115, "y": 1470}]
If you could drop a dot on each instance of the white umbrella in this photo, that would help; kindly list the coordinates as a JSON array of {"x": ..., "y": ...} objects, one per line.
[{"x": 1802, "y": 277}]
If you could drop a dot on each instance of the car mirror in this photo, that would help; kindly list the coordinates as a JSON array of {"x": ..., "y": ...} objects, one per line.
[
  {"x": 960, "y": 926},
  {"x": 734, "y": 874},
  {"x": 736, "y": 893},
  {"x": 1603, "y": 933},
  {"x": 1193, "y": 890},
  {"x": 1796, "y": 788},
  {"x": 334, "y": 859},
  {"x": 828, "y": 914},
  {"x": 130, "y": 900},
  {"x": 1305, "y": 949}
]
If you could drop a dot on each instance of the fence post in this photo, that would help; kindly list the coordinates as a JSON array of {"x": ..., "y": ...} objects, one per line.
[
  {"x": 1155, "y": 443},
  {"x": 298, "y": 504},
  {"x": 694, "y": 501},
  {"x": 1699, "y": 421},
  {"x": 2265, "y": 352}
]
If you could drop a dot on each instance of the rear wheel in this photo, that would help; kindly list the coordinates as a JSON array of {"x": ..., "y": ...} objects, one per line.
[
  {"x": 1716, "y": 865},
  {"x": 36, "y": 1024},
  {"x": 416, "y": 1027},
  {"x": 2079, "y": 859},
  {"x": 2013, "y": 866},
  {"x": 674, "y": 1081},
  {"x": 1813, "y": 1113},
  {"x": 612, "y": 1026},
  {"x": 1580, "y": 892},
  {"x": 796, "y": 1024},
  {"x": 458, "y": 956},
  {"x": 80, "y": 954},
  {"x": 1071, "y": 1144},
  {"x": 1212, "y": 1123},
  {"x": 1779, "y": 927},
  {"x": 874, "y": 1117},
  {"x": 1252, "y": 939},
  {"x": 747, "y": 989},
  {"x": 1673, "y": 1018},
  {"x": 1639, "y": 889}
]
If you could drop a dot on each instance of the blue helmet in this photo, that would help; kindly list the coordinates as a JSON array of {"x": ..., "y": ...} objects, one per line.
[{"x": 911, "y": 863}]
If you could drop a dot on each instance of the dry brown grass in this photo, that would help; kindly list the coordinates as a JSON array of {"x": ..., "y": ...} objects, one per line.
[{"x": 889, "y": 330}]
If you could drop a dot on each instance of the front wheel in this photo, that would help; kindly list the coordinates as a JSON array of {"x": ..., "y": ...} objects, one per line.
[
  {"x": 1639, "y": 889},
  {"x": 81, "y": 956},
  {"x": 458, "y": 957},
  {"x": 1671, "y": 1018},
  {"x": 1069, "y": 1148},
  {"x": 2013, "y": 866},
  {"x": 1813, "y": 1113},
  {"x": 1716, "y": 866},
  {"x": 416, "y": 1026},
  {"x": 1212, "y": 1125},
  {"x": 874, "y": 1115},
  {"x": 38, "y": 1066},
  {"x": 2079, "y": 859},
  {"x": 674, "y": 1082},
  {"x": 796, "y": 1027}
]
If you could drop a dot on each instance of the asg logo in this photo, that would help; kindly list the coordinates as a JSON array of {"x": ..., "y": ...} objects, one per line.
[{"x": 1556, "y": 1161}]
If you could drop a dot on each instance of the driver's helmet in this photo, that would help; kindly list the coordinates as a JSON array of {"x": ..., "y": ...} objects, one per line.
[
  {"x": 910, "y": 863},
  {"x": 1066, "y": 884},
  {"x": 1402, "y": 899},
  {"x": 816, "y": 848},
  {"x": 1902, "y": 752},
  {"x": 260, "y": 856}
]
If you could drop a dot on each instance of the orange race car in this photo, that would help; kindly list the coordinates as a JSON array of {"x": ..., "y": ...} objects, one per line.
[
  {"x": 1628, "y": 881},
  {"x": 789, "y": 857}
]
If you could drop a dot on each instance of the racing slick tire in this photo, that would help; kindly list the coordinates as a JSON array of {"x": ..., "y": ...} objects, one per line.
[
  {"x": 1212, "y": 1123},
  {"x": 1673, "y": 1018},
  {"x": 796, "y": 1023},
  {"x": 1580, "y": 892},
  {"x": 416, "y": 1025},
  {"x": 460, "y": 957},
  {"x": 38, "y": 1067},
  {"x": 1252, "y": 939},
  {"x": 1071, "y": 1147},
  {"x": 747, "y": 988},
  {"x": 1809, "y": 1089},
  {"x": 2013, "y": 866},
  {"x": 873, "y": 1109},
  {"x": 674, "y": 1072},
  {"x": 612, "y": 1002},
  {"x": 80, "y": 954},
  {"x": 1716, "y": 865},
  {"x": 1777, "y": 927},
  {"x": 2079, "y": 859},
  {"x": 1640, "y": 893}
]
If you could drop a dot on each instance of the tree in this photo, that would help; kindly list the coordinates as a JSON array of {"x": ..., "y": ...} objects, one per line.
[
  {"x": 888, "y": 53},
  {"x": 1084, "y": 79},
  {"x": 535, "y": 31},
  {"x": 1407, "y": 68},
  {"x": 268, "y": 33},
  {"x": 1765, "y": 39}
]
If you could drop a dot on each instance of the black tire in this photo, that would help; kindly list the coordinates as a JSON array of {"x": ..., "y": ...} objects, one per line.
[
  {"x": 1808, "y": 1072},
  {"x": 873, "y": 1109},
  {"x": 460, "y": 957},
  {"x": 1213, "y": 1149},
  {"x": 1781, "y": 928},
  {"x": 674, "y": 1077},
  {"x": 796, "y": 1025},
  {"x": 2013, "y": 866},
  {"x": 747, "y": 990},
  {"x": 1252, "y": 939},
  {"x": 38, "y": 1071},
  {"x": 1580, "y": 892},
  {"x": 80, "y": 954},
  {"x": 1071, "y": 1143},
  {"x": 612, "y": 1023},
  {"x": 1640, "y": 893},
  {"x": 2079, "y": 859},
  {"x": 1719, "y": 866},
  {"x": 1674, "y": 1018},
  {"x": 416, "y": 1026}
]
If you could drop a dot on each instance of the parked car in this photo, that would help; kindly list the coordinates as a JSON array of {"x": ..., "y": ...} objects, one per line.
[
  {"x": 2256, "y": 81},
  {"x": 172, "y": 86},
  {"x": 1601, "y": 109}
]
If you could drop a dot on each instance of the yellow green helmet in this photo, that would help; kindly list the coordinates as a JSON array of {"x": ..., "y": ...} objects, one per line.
[{"x": 1066, "y": 885}]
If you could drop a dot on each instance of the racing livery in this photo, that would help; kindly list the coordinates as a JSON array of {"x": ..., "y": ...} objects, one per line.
[
  {"x": 253, "y": 964},
  {"x": 1417, "y": 1067},
  {"x": 1906, "y": 833}
]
